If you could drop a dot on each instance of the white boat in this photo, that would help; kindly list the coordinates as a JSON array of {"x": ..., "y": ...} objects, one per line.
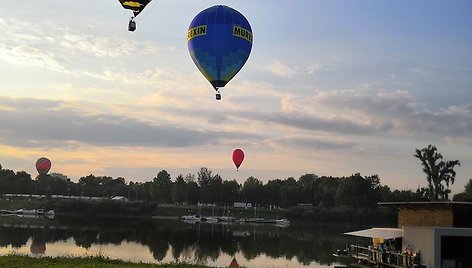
[
  {"x": 212, "y": 219},
  {"x": 194, "y": 217},
  {"x": 50, "y": 214},
  {"x": 28, "y": 211},
  {"x": 282, "y": 222},
  {"x": 34, "y": 212},
  {"x": 6, "y": 211},
  {"x": 255, "y": 220},
  {"x": 226, "y": 219}
]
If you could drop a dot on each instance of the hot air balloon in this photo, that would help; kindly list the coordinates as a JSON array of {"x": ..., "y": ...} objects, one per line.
[
  {"x": 238, "y": 157},
  {"x": 43, "y": 165},
  {"x": 136, "y": 6},
  {"x": 219, "y": 40}
]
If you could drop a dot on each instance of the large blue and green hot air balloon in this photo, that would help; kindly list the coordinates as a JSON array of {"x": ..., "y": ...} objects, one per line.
[{"x": 219, "y": 40}]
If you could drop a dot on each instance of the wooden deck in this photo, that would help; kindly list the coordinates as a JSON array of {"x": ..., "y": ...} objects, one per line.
[{"x": 381, "y": 258}]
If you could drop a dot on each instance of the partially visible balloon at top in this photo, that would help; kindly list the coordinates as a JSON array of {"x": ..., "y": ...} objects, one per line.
[
  {"x": 43, "y": 165},
  {"x": 219, "y": 41},
  {"x": 135, "y": 5}
]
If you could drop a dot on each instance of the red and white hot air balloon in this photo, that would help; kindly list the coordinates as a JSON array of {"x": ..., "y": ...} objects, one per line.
[
  {"x": 43, "y": 165},
  {"x": 238, "y": 157}
]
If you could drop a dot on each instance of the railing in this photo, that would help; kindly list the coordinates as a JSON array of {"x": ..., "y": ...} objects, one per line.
[{"x": 385, "y": 258}]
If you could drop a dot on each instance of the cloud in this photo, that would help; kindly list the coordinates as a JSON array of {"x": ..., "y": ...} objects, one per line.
[
  {"x": 313, "y": 68},
  {"x": 58, "y": 48},
  {"x": 281, "y": 70},
  {"x": 314, "y": 143},
  {"x": 366, "y": 112},
  {"x": 420, "y": 72},
  {"x": 38, "y": 123},
  {"x": 30, "y": 56},
  {"x": 156, "y": 120},
  {"x": 285, "y": 71}
]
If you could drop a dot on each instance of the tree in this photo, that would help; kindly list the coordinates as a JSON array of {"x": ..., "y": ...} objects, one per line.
[
  {"x": 89, "y": 185},
  {"x": 215, "y": 188},
  {"x": 192, "y": 192},
  {"x": 204, "y": 179},
  {"x": 252, "y": 189},
  {"x": 230, "y": 191},
  {"x": 178, "y": 190},
  {"x": 289, "y": 193},
  {"x": 437, "y": 171},
  {"x": 161, "y": 187},
  {"x": 466, "y": 195},
  {"x": 306, "y": 183},
  {"x": 272, "y": 194},
  {"x": 357, "y": 191},
  {"x": 468, "y": 187}
]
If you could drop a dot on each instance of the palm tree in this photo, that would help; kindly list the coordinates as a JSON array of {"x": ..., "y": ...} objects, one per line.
[{"x": 437, "y": 171}]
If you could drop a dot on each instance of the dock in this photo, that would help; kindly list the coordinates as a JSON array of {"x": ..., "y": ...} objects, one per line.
[{"x": 382, "y": 258}]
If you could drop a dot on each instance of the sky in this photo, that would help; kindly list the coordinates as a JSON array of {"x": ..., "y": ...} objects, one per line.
[{"x": 331, "y": 87}]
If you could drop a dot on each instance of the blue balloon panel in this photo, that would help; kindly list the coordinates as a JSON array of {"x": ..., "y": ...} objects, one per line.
[{"x": 219, "y": 40}]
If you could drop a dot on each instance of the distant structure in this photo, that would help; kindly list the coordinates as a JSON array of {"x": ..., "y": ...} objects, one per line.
[{"x": 59, "y": 176}]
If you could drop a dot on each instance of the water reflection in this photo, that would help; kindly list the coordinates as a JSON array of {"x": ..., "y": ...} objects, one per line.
[
  {"x": 169, "y": 240},
  {"x": 37, "y": 247}
]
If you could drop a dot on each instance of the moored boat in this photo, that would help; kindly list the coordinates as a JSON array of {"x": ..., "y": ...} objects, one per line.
[
  {"x": 193, "y": 217},
  {"x": 282, "y": 222}
]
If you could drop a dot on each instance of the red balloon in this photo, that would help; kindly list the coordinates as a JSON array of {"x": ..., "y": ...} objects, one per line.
[
  {"x": 238, "y": 157},
  {"x": 43, "y": 165}
]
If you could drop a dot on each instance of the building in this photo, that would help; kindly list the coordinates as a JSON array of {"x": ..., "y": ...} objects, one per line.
[
  {"x": 441, "y": 231},
  {"x": 59, "y": 176},
  {"x": 432, "y": 234}
]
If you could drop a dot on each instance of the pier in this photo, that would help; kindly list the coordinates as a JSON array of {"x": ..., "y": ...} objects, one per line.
[{"x": 381, "y": 258}]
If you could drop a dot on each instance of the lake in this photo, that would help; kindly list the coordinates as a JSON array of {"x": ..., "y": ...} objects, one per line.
[{"x": 167, "y": 240}]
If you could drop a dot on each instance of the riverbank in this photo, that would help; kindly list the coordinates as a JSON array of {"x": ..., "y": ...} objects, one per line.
[
  {"x": 118, "y": 208},
  {"x": 17, "y": 261},
  {"x": 114, "y": 208}
]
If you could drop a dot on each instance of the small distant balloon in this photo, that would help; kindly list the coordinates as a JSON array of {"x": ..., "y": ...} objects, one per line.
[
  {"x": 43, "y": 165},
  {"x": 238, "y": 157}
]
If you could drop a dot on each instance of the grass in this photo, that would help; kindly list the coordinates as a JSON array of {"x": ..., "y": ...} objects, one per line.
[{"x": 20, "y": 261}]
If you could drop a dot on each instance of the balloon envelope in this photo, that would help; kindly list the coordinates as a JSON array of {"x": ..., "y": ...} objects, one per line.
[
  {"x": 135, "y": 5},
  {"x": 43, "y": 165},
  {"x": 219, "y": 40},
  {"x": 238, "y": 157}
]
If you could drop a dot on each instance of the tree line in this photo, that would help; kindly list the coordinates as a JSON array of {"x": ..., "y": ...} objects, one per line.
[{"x": 354, "y": 191}]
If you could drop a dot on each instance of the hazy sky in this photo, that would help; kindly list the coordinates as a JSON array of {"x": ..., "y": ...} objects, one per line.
[{"x": 331, "y": 87}]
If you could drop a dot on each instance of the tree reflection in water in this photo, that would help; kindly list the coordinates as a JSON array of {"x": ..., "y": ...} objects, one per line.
[{"x": 198, "y": 243}]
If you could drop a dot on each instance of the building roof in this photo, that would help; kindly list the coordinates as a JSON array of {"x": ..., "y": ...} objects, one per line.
[
  {"x": 385, "y": 233},
  {"x": 429, "y": 205},
  {"x": 419, "y": 203}
]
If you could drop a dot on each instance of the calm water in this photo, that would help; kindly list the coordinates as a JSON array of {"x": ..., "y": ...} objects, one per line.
[{"x": 164, "y": 241}]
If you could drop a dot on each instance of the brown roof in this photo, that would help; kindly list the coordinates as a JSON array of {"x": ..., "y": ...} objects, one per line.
[{"x": 420, "y": 203}]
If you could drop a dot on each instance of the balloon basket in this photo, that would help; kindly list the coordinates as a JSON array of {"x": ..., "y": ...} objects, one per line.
[
  {"x": 131, "y": 25},
  {"x": 218, "y": 96}
]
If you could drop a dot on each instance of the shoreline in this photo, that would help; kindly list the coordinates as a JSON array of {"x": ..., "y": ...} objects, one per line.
[{"x": 15, "y": 261}]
